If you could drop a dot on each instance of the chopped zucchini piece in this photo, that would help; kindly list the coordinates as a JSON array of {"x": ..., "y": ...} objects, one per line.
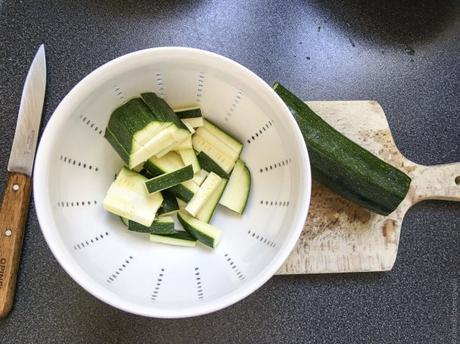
[
  {"x": 170, "y": 163},
  {"x": 221, "y": 159},
  {"x": 191, "y": 112},
  {"x": 200, "y": 177},
  {"x": 193, "y": 122},
  {"x": 202, "y": 231},
  {"x": 207, "y": 211},
  {"x": 177, "y": 239},
  {"x": 161, "y": 225},
  {"x": 169, "y": 205},
  {"x": 189, "y": 158},
  {"x": 128, "y": 198},
  {"x": 236, "y": 193},
  {"x": 170, "y": 179},
  {"x": 224, "y": 136},
  {"x": 210, "y": 165},
  {"x": 203, "y": 194},
  {"x": 132, "y": 131}
]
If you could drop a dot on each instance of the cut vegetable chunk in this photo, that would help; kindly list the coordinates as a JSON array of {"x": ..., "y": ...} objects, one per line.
[
  {"x": 170, "y": 163},
  {"x": 161, "y": 109},
  {"x": 177, "y": 239},
  {"x": 189, "y": 158},
  {"x": 132, "y": 130},
  {"x": 207, "y": 211},
  {"x": 217, "y": 143},
  {"x": 225, "y": 160},
  {"x": 161, "y": 225},
  {"x": 169, "y": 205},
  {"x": 204, "y": 232},
  {"x": 127, "y": 197},
  {"x": 210, "y": 165},
  {"x": 200, "y": 177},
  {"x": 223, "y": 135},
  {"x": 193, "y": 122},
  {"x": 203, "y": 194},
  {"x": 191, "y": 112},
  {"x": 236, "y": 193},
  {"x": 189, "y": 127},
  {"x": 168, "y": 180}
]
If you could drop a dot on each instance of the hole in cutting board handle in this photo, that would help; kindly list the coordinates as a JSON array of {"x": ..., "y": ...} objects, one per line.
[{"x": 457, "y": 180}]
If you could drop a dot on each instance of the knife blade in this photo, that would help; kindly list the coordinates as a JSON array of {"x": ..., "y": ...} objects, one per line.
[
  {"x": 29, "y": 116},
  {"x": 16, "y": 196}
]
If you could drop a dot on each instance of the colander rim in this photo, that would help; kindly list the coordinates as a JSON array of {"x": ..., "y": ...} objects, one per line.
[{"x": 44, "y": 211}]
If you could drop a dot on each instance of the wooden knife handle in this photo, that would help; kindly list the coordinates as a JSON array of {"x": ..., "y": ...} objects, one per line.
[{"x": 13, "y": 215}]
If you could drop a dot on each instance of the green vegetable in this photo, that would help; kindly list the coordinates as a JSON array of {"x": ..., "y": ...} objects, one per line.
[
  {"x": 344, "y": 166},
  {"x": 236, "y": 193},
  {"x": 201, "y": 197},
  {"x": 170, "y": 179},
  {"x": 161, "y": 225},
  {"x": 210, "y": 165},
  {"x": 202, "y": 231},
  {"x": 169, "y": 205},
  {"x": 178, "y": 239},
  {"x": 127, "y": 197},
  {"x": 169, "y": 163},
  {"x": 207, "y": 211}
]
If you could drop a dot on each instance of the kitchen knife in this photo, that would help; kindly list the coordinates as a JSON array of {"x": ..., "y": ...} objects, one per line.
[{"x": 15, "y": 204}]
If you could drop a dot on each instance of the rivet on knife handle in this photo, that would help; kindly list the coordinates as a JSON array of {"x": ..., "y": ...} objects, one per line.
[{"x": 13, "y": 215}]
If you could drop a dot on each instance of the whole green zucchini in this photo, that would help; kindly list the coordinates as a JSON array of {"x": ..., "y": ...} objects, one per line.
[{"x": 342, "y": 165}]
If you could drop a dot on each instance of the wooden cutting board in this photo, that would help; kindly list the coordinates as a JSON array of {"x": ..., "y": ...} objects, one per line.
[{"x": 339, "y": 236}]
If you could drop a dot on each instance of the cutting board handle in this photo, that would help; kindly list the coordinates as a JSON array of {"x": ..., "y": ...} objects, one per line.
[{"x": 440, "y": 182}]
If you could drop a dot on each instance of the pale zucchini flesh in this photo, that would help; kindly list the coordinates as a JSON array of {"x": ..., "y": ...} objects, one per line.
[
  {"x": 199, "y": 177},
  {"x": 177, "y": 239},
  {"x": 194, "y": 122},
  {"x": 128, "y": 198},
  {"x": 203, "y": 194},
  {"x": 224, "y": 161},
  {"x": 224, "y": 136},
  {"x": 236, "y": 193},
  {"x": 207, "y": 211},
  {"x": 189, "y": 158}
]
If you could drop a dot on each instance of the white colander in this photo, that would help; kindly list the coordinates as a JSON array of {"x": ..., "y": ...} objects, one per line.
[{"x": 75, "y": 166}]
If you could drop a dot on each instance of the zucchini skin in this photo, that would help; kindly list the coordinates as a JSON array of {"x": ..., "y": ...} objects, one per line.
[
  {"x": 155, "y": 228},
  {"x": 169, "y": 203},
  {"x": 161, "y": 110},
  {"x": 342, "y": 165},
  {"x": 168, "y": 180},
  {"x": 189, "y": 113},
  {"x": 180, "y": 191},
  {"x": 210, "y": 165}
]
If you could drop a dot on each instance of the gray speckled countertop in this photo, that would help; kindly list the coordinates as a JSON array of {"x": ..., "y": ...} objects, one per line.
[{"x": 406, "y": 55}]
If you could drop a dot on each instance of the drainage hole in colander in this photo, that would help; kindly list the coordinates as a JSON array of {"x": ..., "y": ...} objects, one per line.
[
  {"x": 275, "y": 203},
  {"x": 199, "y": 287},
  {"x": 160, "y": 83},
  {"x": 235, "y": 102},
  {"x": 275, "y": 165},
  {"x": 66, "y": 204},
  {"x": 93, "y": 240},
  {"x": 157, "y": 285},
  {"x": 261, "y": 238},
  {"x": 74, "y": 162},
  {"x": 119, "y": 270},
  {"x": 259, "y": 132},
  {"x": 91, "y": 124},
  {"x": 200, "y": 85},
  {"x": 118, "y": 92},
  {"x": 234, "y": 267}
]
